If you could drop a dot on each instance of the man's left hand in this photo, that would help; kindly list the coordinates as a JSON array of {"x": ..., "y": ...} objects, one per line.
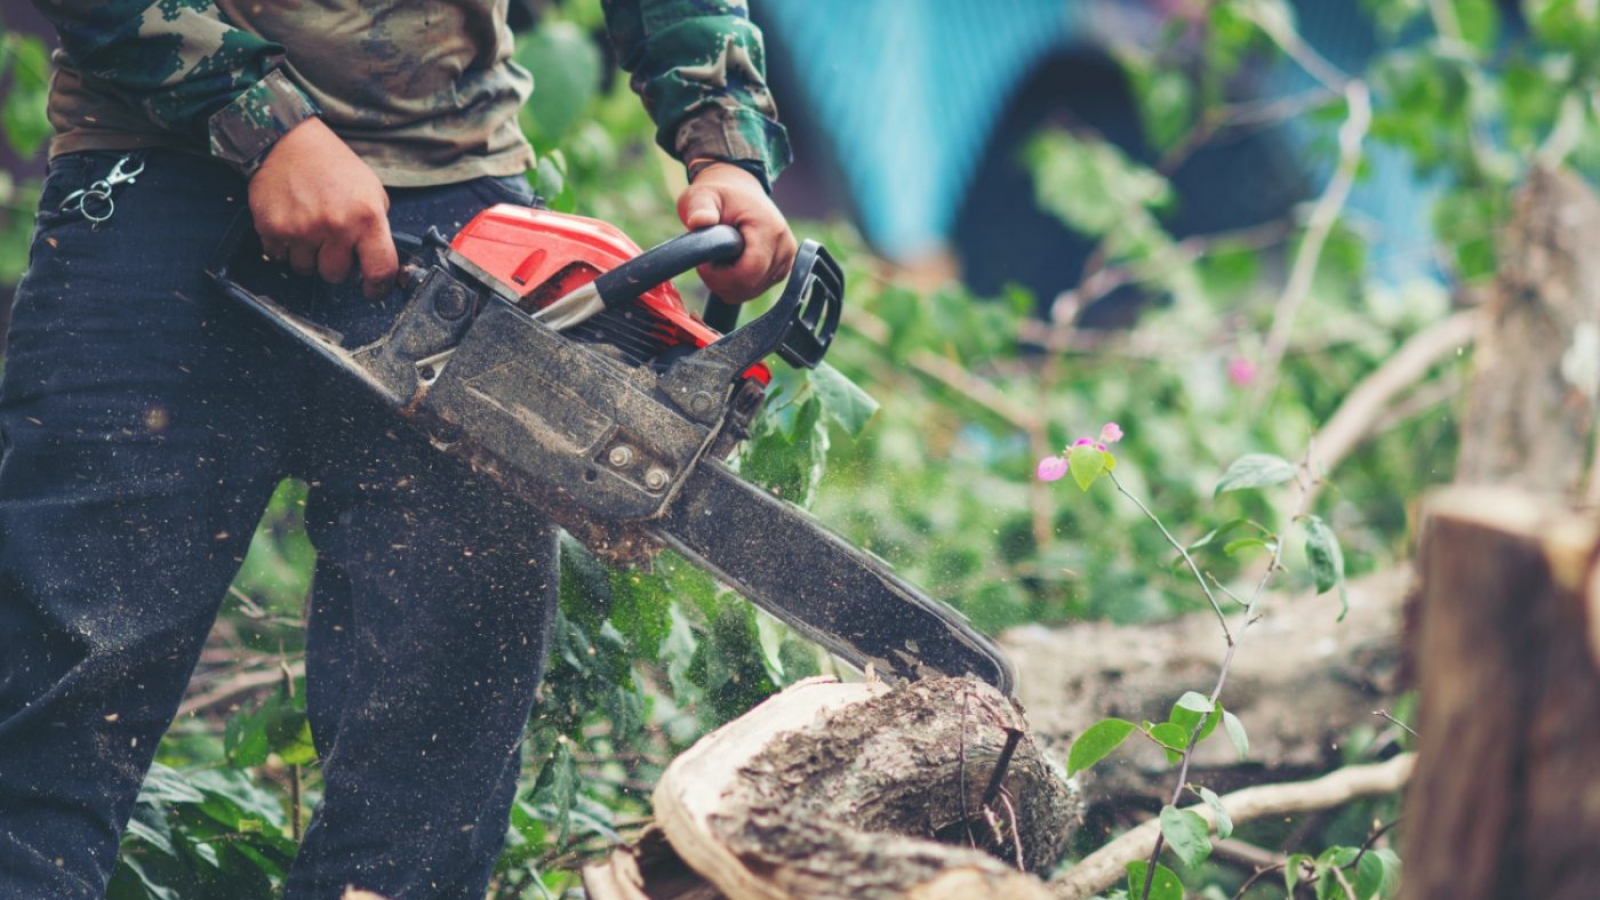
[{"x": 724, "y": 194}]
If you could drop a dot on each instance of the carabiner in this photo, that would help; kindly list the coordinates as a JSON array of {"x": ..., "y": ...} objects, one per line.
[{"x": 100, "y": 191}]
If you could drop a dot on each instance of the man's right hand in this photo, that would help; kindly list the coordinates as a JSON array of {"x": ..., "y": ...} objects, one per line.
[{"x": 319, "y": 208}]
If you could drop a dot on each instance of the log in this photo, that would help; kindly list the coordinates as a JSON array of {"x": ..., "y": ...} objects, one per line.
[
  {"x": 1506, "y": 644},
  {"x": 1302, "y": 680},
  {"x": 859, "y": 790}
]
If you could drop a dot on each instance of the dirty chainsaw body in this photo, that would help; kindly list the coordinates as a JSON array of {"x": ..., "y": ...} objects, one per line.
[{"x": 557, "y": 359}]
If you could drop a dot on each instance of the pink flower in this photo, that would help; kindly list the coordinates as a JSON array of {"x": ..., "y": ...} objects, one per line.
[
  {"x": 1082, "y": 442},
  {"x": 1241, "y": 371},
  {"x": 1051, "y": 468},
  {"x": 1110, "y": 433}
]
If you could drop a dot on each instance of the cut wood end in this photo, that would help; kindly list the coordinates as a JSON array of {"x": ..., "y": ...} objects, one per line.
[
  {"x": 1510, "y": 510},
  {"x": 1568, "y": 540},
  {"x": 617, "y": 878},
  {"x": 860, "y": 789}
]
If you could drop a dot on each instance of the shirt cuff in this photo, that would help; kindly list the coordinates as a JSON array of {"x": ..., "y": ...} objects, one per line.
[
  {"x": 738, "y": 135},
  {"x": 245, "y": 130}
]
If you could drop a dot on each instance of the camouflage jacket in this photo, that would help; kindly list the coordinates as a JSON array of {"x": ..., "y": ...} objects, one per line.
[{"x": 426, "y": 93}]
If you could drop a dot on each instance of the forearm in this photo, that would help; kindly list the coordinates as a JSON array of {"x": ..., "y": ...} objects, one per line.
[{"x": 700, "y": 67}]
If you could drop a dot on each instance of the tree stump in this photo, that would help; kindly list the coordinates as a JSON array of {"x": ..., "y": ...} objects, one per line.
[
  {"x": 1532, "y": 411},
  {"x": 860, "y": 790},
  {"x": 1506, "y": 644}
]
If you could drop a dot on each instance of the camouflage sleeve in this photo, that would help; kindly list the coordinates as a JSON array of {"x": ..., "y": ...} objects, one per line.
[
  {"x": 187, "y": 67},
  {"x": 700, "y": 67}
]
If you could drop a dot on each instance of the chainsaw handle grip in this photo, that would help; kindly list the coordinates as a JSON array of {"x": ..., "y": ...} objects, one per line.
[{"x": 666, "y": 261}]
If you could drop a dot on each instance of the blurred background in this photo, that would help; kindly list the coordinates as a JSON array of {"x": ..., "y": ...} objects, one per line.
[{"x": 1210, "y": 221}]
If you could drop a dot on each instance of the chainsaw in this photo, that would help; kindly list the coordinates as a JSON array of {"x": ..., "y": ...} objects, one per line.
[{"x": 554, "y": 356}]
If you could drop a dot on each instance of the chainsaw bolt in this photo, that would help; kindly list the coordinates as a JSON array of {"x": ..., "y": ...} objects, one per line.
[
  {"x": 701, "y": 403},
  {"x": 452, "y": 301},
  {"x": 656, "y": 478},
  {"x": 621, "y": 456}
]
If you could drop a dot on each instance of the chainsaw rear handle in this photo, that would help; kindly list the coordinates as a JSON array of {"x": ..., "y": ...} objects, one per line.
[
  {"x": 241, "y": 234},
  {"x": 664, "y": 262}
]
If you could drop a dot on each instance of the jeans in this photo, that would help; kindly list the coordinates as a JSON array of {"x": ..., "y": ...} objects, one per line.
[{"x": 144, "y": 422}]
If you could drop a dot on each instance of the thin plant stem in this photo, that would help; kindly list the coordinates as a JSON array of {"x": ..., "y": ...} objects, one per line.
[
  {"x": 1250, "y": 618},
  {"x": 1216, "y": 607}
]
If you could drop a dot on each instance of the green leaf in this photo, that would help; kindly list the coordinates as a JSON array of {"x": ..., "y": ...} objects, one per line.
[
  {"x": 1255, "y": 470},
  {"x": 558, "y": 786},
  {"x": 1164, "y": 885},
  {"x": 550, "y": 180},
  {"x": 1186, "y": 832},
  {"x": 1196, "y": 701},
  {"x": 23, "y": 115},
  {"x": 842, "y": 399},
  {"x": 1189, "y": 720},
  {"x": 164, "y": 784},
  {"x": 149, "y": 825},
  {"x": 1292, "y": 870},
  {"x": 1232, "y": 548},
  {"x": 1236, "y": 733},
  {"x": 1391, "y": 871},
  {"x": 1479, "y": 21},
  {"x": 1172, "y": 737},
  {"x": 130, "y": 874},
  {"x": 1327, "y": 561},
  {"x": 1096, "y": 743},
  {"x": 1369, "y": 878},
  {"x": 1328, "y": 887},
  {"x": 1220, "y": 813},
  {"x": 1223, "y": 530},
  {"x": 245, "y": 741},
  {"x": 566, "y": 68},
  {"x": 1086, "y": 464}
]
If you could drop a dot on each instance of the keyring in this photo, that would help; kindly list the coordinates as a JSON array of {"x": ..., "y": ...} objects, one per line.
[{"x": 100, "y": 192}]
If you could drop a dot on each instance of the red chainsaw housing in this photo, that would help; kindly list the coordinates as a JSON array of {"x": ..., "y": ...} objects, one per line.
[{"x": 544, "y": 255}]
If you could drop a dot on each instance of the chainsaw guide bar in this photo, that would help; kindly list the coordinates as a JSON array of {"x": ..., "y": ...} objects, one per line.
[{"x": 557, "y": 359}]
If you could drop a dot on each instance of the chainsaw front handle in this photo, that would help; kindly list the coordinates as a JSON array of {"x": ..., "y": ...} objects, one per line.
[{"x": 664, "y": 262}]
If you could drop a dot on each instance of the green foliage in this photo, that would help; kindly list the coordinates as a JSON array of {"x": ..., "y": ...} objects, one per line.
[
  {"x": 204, "y": 833},
  {"x": 25, "y": 63},
  {"x": 1164, "y": 883},
  {"x": 24, "y": 77},
  {"x": 1236, "y": 733},
  {"x": 1096, "y": 743},
  {"x": 1255, "y": 470},
  {"x": 1186, "y": 834},
  {"x": 1327, "y": 561},
  {"x": 1218, "y": 812}
]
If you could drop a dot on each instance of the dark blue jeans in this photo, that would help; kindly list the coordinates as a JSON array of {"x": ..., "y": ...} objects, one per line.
[{"x": 144, "y": 423}]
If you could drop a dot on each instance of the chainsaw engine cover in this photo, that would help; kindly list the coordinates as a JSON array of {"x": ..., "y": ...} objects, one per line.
[{"x": 542, "y": 256}]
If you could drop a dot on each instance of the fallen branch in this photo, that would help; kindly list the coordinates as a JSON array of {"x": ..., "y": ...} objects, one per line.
[
  {"x": 1324, "y": 215},
  {"x": 1107, "y": 866},
  {"x": 1310, "y": 675},
  {"x": 237, "y": 686},
  {"x": 1365, "y": 406}
]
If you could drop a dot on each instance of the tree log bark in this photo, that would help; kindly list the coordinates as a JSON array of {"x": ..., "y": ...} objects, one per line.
[
  {"x": 1302, "y": 680},
  {"x": 1504, "y": 802},
  {"x": 864, "y": 792},
  {"x": 1531, "y": 414}
]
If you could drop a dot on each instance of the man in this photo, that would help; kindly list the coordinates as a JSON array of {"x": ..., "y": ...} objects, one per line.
[{"x": 144, "y": 423}]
